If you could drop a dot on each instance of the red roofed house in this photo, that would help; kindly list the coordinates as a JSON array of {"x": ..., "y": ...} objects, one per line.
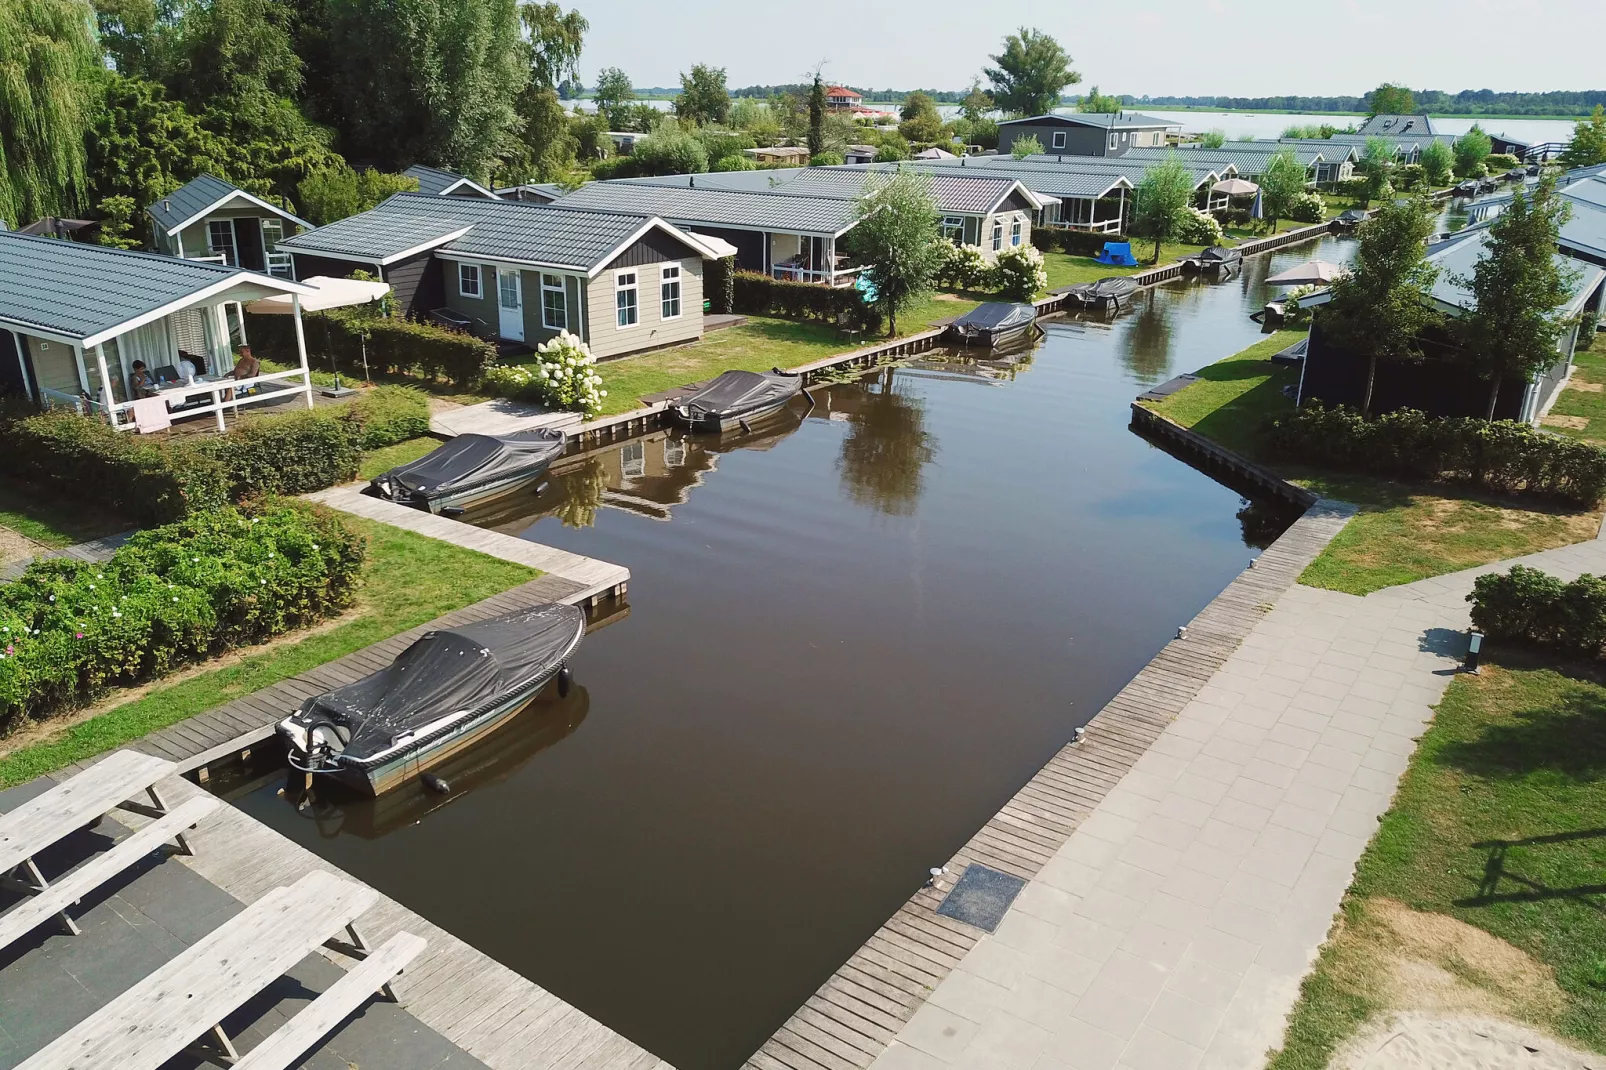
[{"x": 838, "y": 96}]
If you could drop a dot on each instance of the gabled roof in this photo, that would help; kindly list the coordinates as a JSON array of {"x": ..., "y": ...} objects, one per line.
[
  {"x": 89, "y": 293},
  {"x": 1457, "y": 259},
  {"x": 545, "y": 191},
  {"x": 971, "y": 194},
  {"x": 521, "y": 232},
  {"x": 842, "y": 91},
  {"x": 200, "y": 197},
  {"x": 1123, "y": 120},
  {"x": 1247, "y": 157},
  {"x": 1072, "y": 172},
  {"x": 699, "y": 207},
  {"x": 438, "y": 183}
]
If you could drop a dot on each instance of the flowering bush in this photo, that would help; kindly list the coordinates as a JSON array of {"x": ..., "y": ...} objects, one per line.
[
  {"x": 561, "y": 378},
  {"x": 1197, "y": 228},
  {"x": 1307, "y": 208},
  {"x": 963, "y": 267},
  {"x": 1018, "y": 273}
]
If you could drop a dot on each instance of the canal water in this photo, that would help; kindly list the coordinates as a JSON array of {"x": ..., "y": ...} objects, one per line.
[{"x": 851, "y": 638}]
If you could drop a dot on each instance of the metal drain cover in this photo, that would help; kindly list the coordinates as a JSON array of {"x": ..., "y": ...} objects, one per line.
[{"x": 981, "y": 897}]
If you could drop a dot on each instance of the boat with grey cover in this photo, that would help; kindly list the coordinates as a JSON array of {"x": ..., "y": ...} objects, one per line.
[
  {"x": 994, "y": 324},
  {"x": 736, "y": 399},
  {"x": 470, "y": 470}
]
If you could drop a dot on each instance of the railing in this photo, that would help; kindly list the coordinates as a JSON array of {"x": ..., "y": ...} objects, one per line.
[
  {"x": 82, "y": 404},
  {"x": 244, "y": 391},
  {"x": 837, "y": 277},
  {"x": 1541, "y": 153},
  {"x": 1103, "y": 226}
]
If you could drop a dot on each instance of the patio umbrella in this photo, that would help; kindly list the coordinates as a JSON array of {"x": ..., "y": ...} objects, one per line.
[
  {"x": 1258, "y": 209},
  {"x": 1310, "y": 273},
  {"x": 1235, "y": 187},
  {"x": 332, "y": 293}
]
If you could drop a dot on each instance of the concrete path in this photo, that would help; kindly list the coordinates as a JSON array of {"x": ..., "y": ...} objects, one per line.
[{"x": 1172, "y": 930}]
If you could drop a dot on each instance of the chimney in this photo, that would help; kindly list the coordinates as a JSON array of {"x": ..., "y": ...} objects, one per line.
[
  {"x": 691, "y": 182},
  {"x": 167, "y": 205}
]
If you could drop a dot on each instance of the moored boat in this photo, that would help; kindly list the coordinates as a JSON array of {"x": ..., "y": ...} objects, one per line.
[
  {"x": 1107, "y": 292},
  {"x": 470, "y": 470},
  {"x": 994, "y": 324},
  {"x": 736, "y": 399},
  {"x": 1215, "y": 260},
  {"x": 444, "y": 693}
]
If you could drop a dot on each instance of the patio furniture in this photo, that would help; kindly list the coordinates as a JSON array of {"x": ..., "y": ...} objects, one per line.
[{"x": 1117, "y": 254}]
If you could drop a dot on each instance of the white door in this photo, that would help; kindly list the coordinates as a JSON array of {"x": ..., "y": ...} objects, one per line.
[{"x": 510, "y": 301}]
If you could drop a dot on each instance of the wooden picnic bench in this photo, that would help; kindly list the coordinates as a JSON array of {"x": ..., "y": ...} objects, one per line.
[
  {"x": 185, "y": 1002},
  {"x": 116, "y": 782}
]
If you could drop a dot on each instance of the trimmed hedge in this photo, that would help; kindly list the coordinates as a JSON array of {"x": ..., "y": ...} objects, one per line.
[
  {"x": 1532, "y": 607},
  {"x": 719, "y": 285},
  {"x": 387, "y": 415},
  {"x": 394, "y": 346},
  {"x": 760, "y": 295},
  {"x": 220, "y": 579},
  {"x": 1504, "y": 456},
  {"x": 1073, "y": 242}
]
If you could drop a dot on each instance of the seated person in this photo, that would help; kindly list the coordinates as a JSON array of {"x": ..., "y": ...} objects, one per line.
[
  {"x": 247, "y": 366},
  {"x": 141, "y": 384}
]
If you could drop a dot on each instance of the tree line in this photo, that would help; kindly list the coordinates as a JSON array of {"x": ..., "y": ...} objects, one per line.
[{"x": 1466, "y": 102}]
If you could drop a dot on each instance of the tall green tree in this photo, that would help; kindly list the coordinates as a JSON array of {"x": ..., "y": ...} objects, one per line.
[
  {"x": 236, "y": 58},
  {"x": 1380, "y": 309},
  {"x": 1588, "y": 146},
  {"x": 139, "y": 37},
  {"x": 555, "y": 40},
  {"x": 1281, "y": 183},
  {"x": 49, "y": 75},
  {"x": 816, "y": 116},
  {"x": 613, "y": 92},
  {"x": 703, "y": 96},
  {"x": 1438, "y": 163},
  {"x": 1518, "y": 287},
  {"x": 1390, "y": 99},
  {"x": 336, "y": 192},
  {"x": 1471, "y": 150},
  {"x": 977, "y": 104},
  {"x": 1098, "y": 103},
  {"x": 1213, "y": 139},
  {"x": 1029, "y": 145},
  {"x": 921, "y": 121},
  {"x": 1031, "y": 73},
  {"x": 895, "y": 237},
  {"x": 1162, "y": 194},
  {"x": 1375, "y": 166},
  {"x": 144, "y": 145}
]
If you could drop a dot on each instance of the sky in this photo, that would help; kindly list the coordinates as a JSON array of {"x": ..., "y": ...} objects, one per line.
[{"x": 1154, "y": 47}]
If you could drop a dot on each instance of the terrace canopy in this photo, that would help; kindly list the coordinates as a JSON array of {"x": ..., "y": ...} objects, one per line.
[
  {"x": 330, "y": 293},
  {"x": 1310, "y": 273}
]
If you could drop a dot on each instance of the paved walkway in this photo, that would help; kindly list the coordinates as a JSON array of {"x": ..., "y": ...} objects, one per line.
[
  {"x": 94, "y": 550},
  {"x": 1172, "y": 930}
]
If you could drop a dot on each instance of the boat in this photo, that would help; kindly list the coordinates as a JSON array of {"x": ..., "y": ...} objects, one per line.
[
  {"x": 1350, "y": 218},
  {"x": 471, "y": 470},
  {"x": 1213, "y": 261},
  {"x": 1105, "y": 293},
  {"x": 1469, "y": 188},
  {"x": 444, "y": 693},
  {"x": 1516, "y": 174},
  {"x": 994, "y": 324},
  {"x": 736, "y": 399}
]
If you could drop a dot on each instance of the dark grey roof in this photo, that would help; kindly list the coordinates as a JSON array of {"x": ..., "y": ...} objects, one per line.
[
  {"x": 434, "y": 181},
  {"x": 967, "y": 193},
  {"x": 194, "y": 196},
  {"x": 1062, "y": 177},
  {"x": 79, "y": 291},
  {"x": 1125, "y": 120},
  {"x": 1456, "y": 260},
  {"x": 544, "y": 234},
  {"x": 1246, "y": 159},
  {"x": 717, "y": 208}
]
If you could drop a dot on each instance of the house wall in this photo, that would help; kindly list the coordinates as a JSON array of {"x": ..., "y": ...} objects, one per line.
[
  {"x": 607, "y": 339},
  {"x": 14, "y": 378},
  {"x": 54, "y": 365},
  {"x": 1006, "y": 219},
  {"x": 417, "y": 283},
  {"x": 749, "y": 245},
  {"x": 535, "y": 329},
  {"x": 482, "y": 308},
  {"x": 192, "y": 240},
  {"x": 1080, "y": 140}
]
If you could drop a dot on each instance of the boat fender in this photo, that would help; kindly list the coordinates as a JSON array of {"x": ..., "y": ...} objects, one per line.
[
  {"x": 565, "y": 681},
  {"x": 452, "y": 511},
  {"x": 436, "y": 784}
]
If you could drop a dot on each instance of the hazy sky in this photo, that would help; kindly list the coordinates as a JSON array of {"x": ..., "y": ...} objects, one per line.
[{"x": 1159, "y": 47}]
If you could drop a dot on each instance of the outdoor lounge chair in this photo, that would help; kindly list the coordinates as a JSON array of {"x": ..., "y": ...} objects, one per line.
[{"x": 1117, "y": 254}]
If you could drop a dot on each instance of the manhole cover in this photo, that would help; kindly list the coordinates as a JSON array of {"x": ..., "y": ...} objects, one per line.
[{"x": 981, "y": 897}]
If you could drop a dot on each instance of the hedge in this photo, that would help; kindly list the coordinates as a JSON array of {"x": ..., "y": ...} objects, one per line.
[
  {"x": 394, "y": 346},
  {"x": 760, "y": 295},
  {"x": 1073, "y": 242},
  {"x": 719, "y": 285},
  {"x": 387, "y": 415},
  {"x": 221, "y": 578},
  {"x": 1504, "y": 456},
  {"x": 1529, "y": 606}
]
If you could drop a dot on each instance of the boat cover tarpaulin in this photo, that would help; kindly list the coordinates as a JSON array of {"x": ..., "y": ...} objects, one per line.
[
  {"x": 1217, "y": 255},
  {"x": 1114, "y": 286},
  {"x": 453, "y": 670},
  {"x": 734, "y": 393},
  {"x": 473, "y": 460},
  {"x": 997, "y": 316}
]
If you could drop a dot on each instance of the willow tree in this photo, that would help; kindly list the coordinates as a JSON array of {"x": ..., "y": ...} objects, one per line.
[
  {"x": 894, "y": 237},
  {"x": 49, "y": 69}
]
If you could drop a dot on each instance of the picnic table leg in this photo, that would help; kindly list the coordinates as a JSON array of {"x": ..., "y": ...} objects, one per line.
[
  {"x": 37, "y": 885},
  {"x": 358, "y": 948},
  {"x": 161, "y": 808},
  {"x": 223, "y": 1052}
]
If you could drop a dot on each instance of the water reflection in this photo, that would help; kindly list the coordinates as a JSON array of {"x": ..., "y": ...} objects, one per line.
[
  {"x": 1146, "y": 343},
  {"x": 887, "y": 447}
]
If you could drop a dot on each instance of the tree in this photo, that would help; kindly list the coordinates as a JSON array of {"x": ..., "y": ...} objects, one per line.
[
  {"x": 143, "y": 145},
  {"x": 669, "y": 150},
  {"x": 556, "y": 38},
  {"x": 49, "y": 67},
  {"x": 333, "y": 193},
  {"x": 1098, "y": 103},
  {"x": 1213, "y": 139},
  {"x": 1390, "y": 99},
  {"x": 703, "y": 97},
  {"x": 976, "y": 104},
  {"x": 1517, "y": 288},
  {"x": 235, "y": 60},
  {"x": 921, "y": 120},
  {"x": 1375, "y": 166},
  {"x": 1588, "y": 146},
  {"x": 886, "y": 448},
  {"x": 1438, "y": 163},
  {"x": 1023, "y": 147},
  {"x": 613, "y": 92},
  {"x": 1471, "y": 149},
  {"x": 816, "y": 116},
  {"x": 1380, "y": 309},
  {"x": 894, "y": 236},
  {"x": 1281, "y": 183},
  {"x": 117, "y": 223},
  {"x": 547, "y": 149},
  {"x": 1031, "y": 73},
  {"x": 1162, "y": 193}
]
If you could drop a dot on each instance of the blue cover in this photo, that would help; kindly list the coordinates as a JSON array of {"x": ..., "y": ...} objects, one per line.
[{"x": 1118, "y": 254}]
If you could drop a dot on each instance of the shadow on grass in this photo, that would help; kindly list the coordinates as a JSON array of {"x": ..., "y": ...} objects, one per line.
[
  {"x": 1497, "y": 875},
  {"x": 1236, "y": 425},
  {"x": 1565, "y": 737}
]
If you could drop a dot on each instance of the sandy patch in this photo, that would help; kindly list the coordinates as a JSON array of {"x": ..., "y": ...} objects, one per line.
[
  {"x": 946, "y": 297},
  {"x": 1585, "y": 385},
  {"x": 1415, "y": 1040},
  {"x": 1574, "y": 423},
  {"x": 14, "y": 547}
]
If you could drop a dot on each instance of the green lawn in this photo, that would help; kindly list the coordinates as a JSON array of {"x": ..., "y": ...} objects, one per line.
[
  {"x": 54, "y": 523},
  {"x": 1234, "y": 396},
  {"x": 1584, "y": 399},
  {"x": 378, "y": 462},
  {"x": 408, "y": 580},
  {"x": 1500, "y": 824}
]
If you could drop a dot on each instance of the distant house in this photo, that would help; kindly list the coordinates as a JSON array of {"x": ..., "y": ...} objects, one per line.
[
  {"x": 1323, "y": 162},
  {"x": 1583, "y": 232},
  {"x": 210, "y": 219},
  {"x": 536, "y": 192},
  {"x": 859, "y": 154},
  {"x": 841, "y": 98},
  {"x": 523, "y": 272},
  {"x": 1441, "y": 384},
  {"x": 438, "y": 183},
  {"x": 1087, "y": 133},
  {"x": 934, "y": 153},
  {"x": 793, "y": 155}
]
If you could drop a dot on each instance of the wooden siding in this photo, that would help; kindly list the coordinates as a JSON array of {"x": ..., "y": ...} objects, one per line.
[
  {"x": 54, "y": 365},
  {"x": 192, "y": 240},
  {"x": 749, "y": 245},
  {"x": 417, "y": 283},
  {"x": 12, "y": 363},
  {"x": 1016, "y": 202},
  {"x": 483, "y": 308},
  {"x": 653, "y": 247},
  {"x": 607, "y": 339},
  {"x": 535, "y": 329}
]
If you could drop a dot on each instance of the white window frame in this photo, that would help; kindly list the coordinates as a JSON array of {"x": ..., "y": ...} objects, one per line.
[
  {"x": 562, "y": 291},
  {"x": 1059, "y": 139},
  {"x": 622, "y": 287},
  {"x": 231, "y": 254},
  {"x": 633, "y": 460},
  {"x": 1112, "y": 139},
  {"x": 463, "y": 270},
  {"x": 998, "y": 235},
  {"x": 952, "y": 227},
  {"x": 1015, "y": 232},
  {"x": 670, "y": 275}
]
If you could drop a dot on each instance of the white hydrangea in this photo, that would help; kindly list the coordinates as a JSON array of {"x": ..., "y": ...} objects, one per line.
[{"x": 562, "y": 377}]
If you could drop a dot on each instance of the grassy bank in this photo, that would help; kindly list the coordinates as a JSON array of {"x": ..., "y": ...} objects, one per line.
[
  {"x": 1580, "y": 410},
  {"x": 408, "y": 579},
  {"x": 1497, "y": 831}
]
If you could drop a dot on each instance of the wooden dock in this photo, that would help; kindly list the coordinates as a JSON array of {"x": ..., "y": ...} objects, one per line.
[
  {"x": 856, "y": 1013},
  {"x": 1215, "y": 460}
]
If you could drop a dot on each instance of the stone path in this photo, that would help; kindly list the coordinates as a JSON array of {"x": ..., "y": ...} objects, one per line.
[
  {"x": 94, "y": 550},
  {"x": 1172, "y": 930}
]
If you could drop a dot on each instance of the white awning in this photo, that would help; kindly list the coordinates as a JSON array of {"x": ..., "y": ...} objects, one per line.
[
  {"x": 328, "y": 293},
  {"x": 720, "y": 246}
]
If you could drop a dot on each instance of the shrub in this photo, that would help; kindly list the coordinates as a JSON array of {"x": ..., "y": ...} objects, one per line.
[
  {"x": 387, "y": 415},
  {"x": 826, "y": 159},
  {"x": 339, "y": 337},
  {"x": 964, "y": 267},
  {"x": 561, "y": 378},
  {"x": 1504, "y": 456},
  {"x": 1018, "y": 273},
  {"x": 1501, "y": 161},
  {"x": 221, "y": 578},
  {"x": 286, "y": 453},
  {"x": 1409, "y": 176},
  {"x": 1046, "y": 239},
  {"x": 1197, "y": 228},
  {"x": 1307, "y": 208},
  {"x": 719, "y": 285},
  {"x": 1356, "y": 189},
  {"x": 614, "y": 167},
  {"x": 760, "y": 295},
  {"x": 1529, "y": 606},
  {"x": 1084, "y": 242},
  {"x": 733, "y": 163}
]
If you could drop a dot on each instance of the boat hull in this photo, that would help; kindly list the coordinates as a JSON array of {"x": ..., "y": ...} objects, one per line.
[
  {"x": 708, "y": 422},
  {"x": 989, "y": 339},
  {"x": 477, "y": 496}
]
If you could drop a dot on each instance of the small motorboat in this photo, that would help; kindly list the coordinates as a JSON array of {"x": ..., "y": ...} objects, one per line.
[
  {"x": 736, "y": 399},
  {"x": 1350, "y": 218},
  {"x": 444, "y": 693},
  {"x": 1516, "y": 174},
  {"x": 470, "y": 470},
  {"x": 1215, "y": 260},
  {"x": 994, "y": 324},
  {"x": 1469, "y": 188},
  {"x": 1107, "y": 292}
]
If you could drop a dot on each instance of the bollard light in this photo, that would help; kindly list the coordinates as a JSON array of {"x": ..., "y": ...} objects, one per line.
[{"x": 1474, "y": 646}]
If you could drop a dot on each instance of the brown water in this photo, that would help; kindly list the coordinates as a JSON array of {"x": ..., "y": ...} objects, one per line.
[{"x": 851, "y": 638}]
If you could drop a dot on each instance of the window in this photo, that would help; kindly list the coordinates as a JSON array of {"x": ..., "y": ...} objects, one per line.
[
  {"x": 626, "y": 307},
  {"x": 633, "y": 460},
  {"x": 220, "y": 240},
  {"x": 1059, "y": 139},
  {"x": 953, "y": 228},
  {"x": 1014, "y": 232},
  {"x": 554, "y": 303},
  {"x": 998, "y": 235},
  {"x": 669, "y": 291},
  {"x": 1112, "y": 141},
  {"x": 468, "y": 280}
]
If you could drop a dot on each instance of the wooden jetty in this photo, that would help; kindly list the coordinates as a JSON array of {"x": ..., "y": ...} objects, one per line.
[{"x": 1216, "y": 460}]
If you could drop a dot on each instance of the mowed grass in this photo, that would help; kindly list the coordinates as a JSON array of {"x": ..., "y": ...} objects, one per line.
[
  {"x": 55, "y": 524},
  {"x": 1500, "y": 824},
  {"x": 378, "y": 462},
  {"x": 407, "y": 580},
  {"x": 1580, "y": 410},
  {"x": 1233, "y": 397}
]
